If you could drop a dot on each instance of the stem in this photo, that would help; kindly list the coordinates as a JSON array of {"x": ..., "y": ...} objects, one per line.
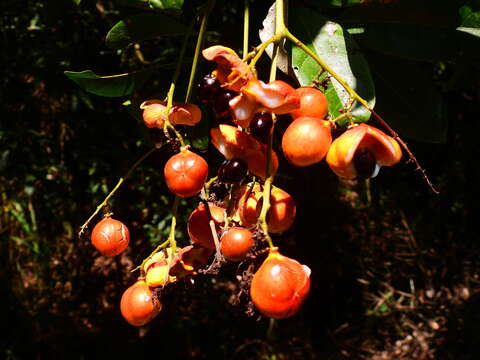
[
  {"x": 280, "y": 30},
  {"x": 246, "y": 19},
  {"x": 326, "y": 67},
  {"x": 200, "y": 38},
  {"x": 157, "y": 249},
  {"x": 354, "y": 95},
  {"x": 171, "y": 91},
  {"x": 171, "y": 237},
  {"x": 119, "y": 183}
]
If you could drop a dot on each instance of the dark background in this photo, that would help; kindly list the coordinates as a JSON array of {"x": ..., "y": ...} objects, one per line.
[{"x": 395, "y": 277}]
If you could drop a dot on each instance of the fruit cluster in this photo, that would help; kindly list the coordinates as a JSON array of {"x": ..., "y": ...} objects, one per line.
[{"x": 231, "y": 228}]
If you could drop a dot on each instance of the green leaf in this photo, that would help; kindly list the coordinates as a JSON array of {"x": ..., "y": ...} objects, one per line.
[
  {"x": 166, "y": 4},
  {"x": 109, "y": 86},
  {"x": 339, "y": 51},
  {"x": 469, "y": 18},
  {"x": 142, "y": 27}
]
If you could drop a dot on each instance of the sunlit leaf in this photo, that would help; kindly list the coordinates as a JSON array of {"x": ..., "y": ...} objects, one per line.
[
  {"x": 142, "y": 27},
  {"x": 339, "y": 51}
]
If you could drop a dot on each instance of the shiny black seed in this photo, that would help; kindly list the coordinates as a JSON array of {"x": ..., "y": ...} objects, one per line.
[
  {"x": 221, "y": 103},
  {"x": 208, "y": 88},
  {"x": 261, "y": 125},
  {"x": 365, "y": 163},
  {"x": 232, "y": 171}
]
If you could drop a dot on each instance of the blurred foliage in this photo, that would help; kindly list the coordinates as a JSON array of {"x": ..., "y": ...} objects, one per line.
[{"x": 403, "y": 264}]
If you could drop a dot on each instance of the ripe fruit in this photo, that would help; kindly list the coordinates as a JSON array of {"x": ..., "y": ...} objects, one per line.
[
  {"x": 282, "y": 211},
  {"x": 158, "y": 274},
  {"x": 138, "y": 306},
  {"x": 280, "y": 286},
  {"x": 198, "y": 226},
  {"x": 313, "y": 103},
  {"x": 232, "y": 171},
  {"x": 235, "y": 243},
  {"x": 110, "y": 237},
  {"x": 306, "y": 141},
  {"x": 343, "y": 159},
  {"x": 185, "y": 173},
  {"x": 261, "y": 125},
  {"x": 208, "y": 88}
]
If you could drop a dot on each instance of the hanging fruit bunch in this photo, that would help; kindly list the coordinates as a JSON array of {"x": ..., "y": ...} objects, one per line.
[{"x": 237, "y": 227}]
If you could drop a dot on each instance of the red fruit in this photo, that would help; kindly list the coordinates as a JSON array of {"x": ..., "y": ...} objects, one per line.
[
  {"x": 189, "y": 259},
  {"x": 110, "y": 237},
  {"x": 306, "y": 141},
  {"x": 313, "y": 103},
  {"x": 236, "y": 243},
  {"x": 198, "y": 226},
  {"x": 282, "y": 211},
  {"x": 185, "y": 173},
  {"x": 138, "y": 306},
  {"x": 280, "y": 286}
]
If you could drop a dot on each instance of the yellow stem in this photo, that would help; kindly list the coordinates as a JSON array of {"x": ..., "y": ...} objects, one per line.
[
  {"x": 119, "y": 183},
  {"x": 246, "y": 19}
]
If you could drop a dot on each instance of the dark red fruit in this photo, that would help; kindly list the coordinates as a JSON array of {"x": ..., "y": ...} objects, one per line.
[
  {"x": 232, "y": 171},
  {"x": 365, "y": 163},
  {"x": 221, "y": 103},
  {"x": 260, "y": 125},
  {"x": 208, "y": 88}
]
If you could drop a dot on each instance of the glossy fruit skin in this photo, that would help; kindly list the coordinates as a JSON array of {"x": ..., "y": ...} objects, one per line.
[
  {"x": 282, "y": 211},
  {"x": 313, "y": 103},
  {"x": 235, "y": 243},
  {"x": 198, "y": 226},
  {"x": 280, "y": 286},
  {"x": 280, "y": 216},
  {"x": 232, "y": 171},
  {"x": 138, "y": 306},
  {"x": 306, "y": 141},
  {"x": 110, "y": 237},
  {"x": 221, "y": 103},
  {"x": 261, "y": 125},
  {"x": 185, "y": 173},
  {"x": 208, "y": 87}
]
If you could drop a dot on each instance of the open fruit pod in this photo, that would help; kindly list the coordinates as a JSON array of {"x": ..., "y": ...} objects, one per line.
[
  {"x": 234, "y": 143},
  {"x": 379, "y": 149}
]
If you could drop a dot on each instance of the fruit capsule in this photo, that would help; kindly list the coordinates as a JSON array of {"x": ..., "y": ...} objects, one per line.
[
  {"x": 235, "y": 243},
  {"x": 234, "y": 143},
  {"x": 280, "y": 286},
  {"x": 198, "y": 226},
  {"x": 282, "y": 210},
  {"x": 351, "y": 154},
  {"x": 313, "y": 103},
  {"x": 306, "y": 141},
  {"x": 154, "y": 113},
  {"x": 231, "y": 71},
  {"x": 110, "y": 237},
  {"x": 277, "y": 97},
  {"x": 185, "y": 173},
  {"x": 138, "y": 306},
  {"x": 188, "y": 260}
]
